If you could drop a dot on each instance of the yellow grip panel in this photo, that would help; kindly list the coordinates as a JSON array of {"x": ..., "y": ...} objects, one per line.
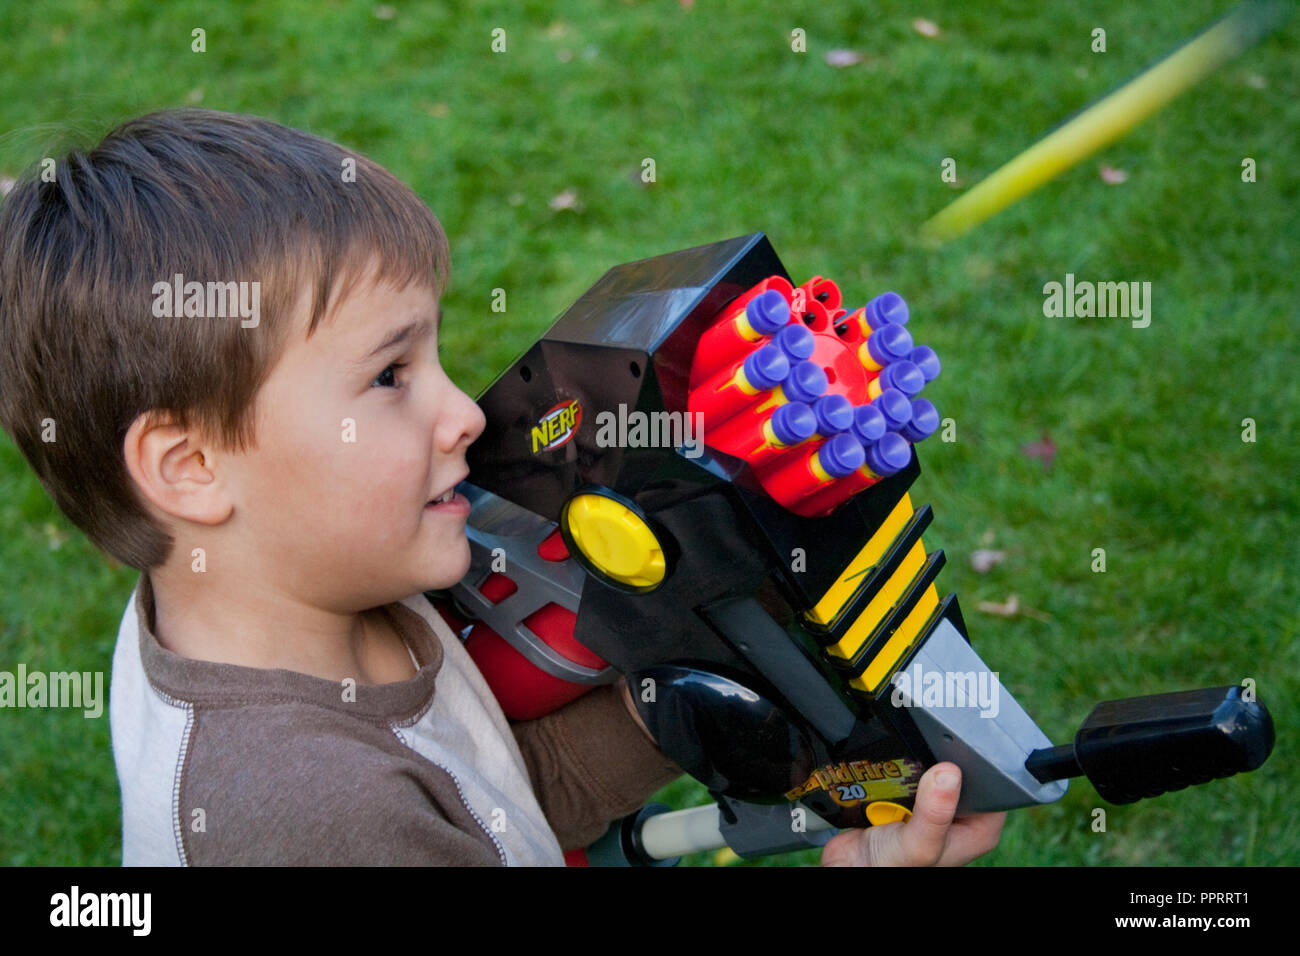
[
  {"x": 842, "y": 590},
  {"x": 889, "y": 595},
  {"x": 882, "y": 665}
]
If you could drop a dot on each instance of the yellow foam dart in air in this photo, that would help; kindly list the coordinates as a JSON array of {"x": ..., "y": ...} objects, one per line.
[{"x": 1108, "y": 119}]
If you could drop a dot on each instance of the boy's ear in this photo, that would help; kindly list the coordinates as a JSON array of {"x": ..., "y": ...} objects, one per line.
[{"x": 174, "y": 470}]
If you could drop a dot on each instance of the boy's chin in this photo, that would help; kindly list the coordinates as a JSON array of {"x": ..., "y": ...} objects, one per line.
[{"x": 451, "y": 569}]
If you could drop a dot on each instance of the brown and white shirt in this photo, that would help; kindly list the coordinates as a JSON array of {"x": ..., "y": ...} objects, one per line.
[{"x": 229, "y": 765}]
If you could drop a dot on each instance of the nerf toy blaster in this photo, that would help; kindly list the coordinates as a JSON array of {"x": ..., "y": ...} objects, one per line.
[{"x": 699, "y": 477}]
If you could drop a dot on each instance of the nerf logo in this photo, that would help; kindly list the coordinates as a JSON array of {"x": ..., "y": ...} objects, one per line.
[{"x": 557, "y": 426}]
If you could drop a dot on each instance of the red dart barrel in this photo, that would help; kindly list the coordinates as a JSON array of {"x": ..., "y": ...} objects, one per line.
[
  {"x": 730, "y": 340},
  {"x": 739, "y": 385},
  {"x": 796, "y": 475}
]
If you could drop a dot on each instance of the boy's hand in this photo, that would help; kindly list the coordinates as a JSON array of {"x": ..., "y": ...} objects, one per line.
[{"x": 929, "y": 838}]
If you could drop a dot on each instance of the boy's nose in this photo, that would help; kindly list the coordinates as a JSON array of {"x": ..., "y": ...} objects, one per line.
[{"x": 463, "y": 420}]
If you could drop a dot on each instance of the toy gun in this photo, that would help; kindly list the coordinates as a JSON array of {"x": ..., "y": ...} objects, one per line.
[{"x": 699, "y": 478}]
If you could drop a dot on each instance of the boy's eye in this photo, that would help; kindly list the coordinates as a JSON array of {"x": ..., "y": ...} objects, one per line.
[{"x": 388, "y": 377}]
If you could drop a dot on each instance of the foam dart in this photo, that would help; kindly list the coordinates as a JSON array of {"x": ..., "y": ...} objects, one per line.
[
  {"x": 805, "y": 383},
  {"x": 924, "y": 358},
  {"x": 834, "y": 414},
  {"x": 924, "y": 423},
  {"x": 902, "y": 375},
  {"x": 739, "y": 385},
  {"x": 889, "y": 343},
  {"x": 771, "y": 284},
  {"x": 869, "y": 424},
  {"x": 788, "y": 426},
  {"x": 885, "y": 309},
  {"x": 1108, "y": 119},
  {"x": 886, "y": 457},
  {"x": 798, "y": 474},
  {"x": 733, "y": 338},
  {"x": 894, "y": 407},
  {"x": 745, "y": 431},
  {"x": 796, "y": 341},
  {"x": 820, "y": 290}
]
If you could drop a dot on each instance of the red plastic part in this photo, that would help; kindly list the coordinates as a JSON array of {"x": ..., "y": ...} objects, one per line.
[
  {"x": 790, "y": 477},
  {"x": 722, "y": 344},
  {"x": 497, "y": 587},
  {"x": 555, "y": 625},
  {"x": 718, "y": 400},
  {"x": 553, "y": 548},
  {"x": 742, "y": 437},
  {"x": 822, "y": 291},
  {"x": 524, "y": 691},
  {"x": 576, "y": 858},
  {"x": 837, "y": 492}
]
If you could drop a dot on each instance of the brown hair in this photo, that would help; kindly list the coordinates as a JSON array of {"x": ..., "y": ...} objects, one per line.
[{"x": 215, "y": 197}]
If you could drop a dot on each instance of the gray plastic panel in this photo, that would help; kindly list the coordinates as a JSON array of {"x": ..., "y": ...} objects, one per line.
[{"x": 989, "y": 737}]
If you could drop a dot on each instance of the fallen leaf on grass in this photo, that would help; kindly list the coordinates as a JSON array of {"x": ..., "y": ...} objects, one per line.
[
  {"x": 565, "y": 200},
  {"x": 1011, "y": 608},
  {"x": 1044, "y": 450},
  {"x": 842, "y": 57},
  {"x": 985, "y": 560}
]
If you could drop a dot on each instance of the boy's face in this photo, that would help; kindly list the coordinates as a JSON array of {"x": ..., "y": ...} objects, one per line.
[{"x": 358, "y": 429}]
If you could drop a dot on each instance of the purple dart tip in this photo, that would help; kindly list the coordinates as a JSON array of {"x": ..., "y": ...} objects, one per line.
[
  {"x": 795, "y": 341},
  {"x": 767, "y": 312},
  {"x": 889, "y": 343},
  {"x": 895, "y": 408},
  {"x": 766, "y": 367},
  {"x": 793, "y": 422},
  {"x": 924, "y": 423},
  {"x": 842, "y": 455},
  {"x": 890, "y": 455},
  {"x": 805, "y": 382},
  {"x": 904, "y": 376},
  {"x": 924, "y": 358},
  {"x": 886, "y": 308},
  {"x": 869, "y": 424},
  {"x": 834, "y": 414}
]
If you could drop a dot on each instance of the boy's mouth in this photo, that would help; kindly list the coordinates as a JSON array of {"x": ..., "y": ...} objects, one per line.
[{"x": 449, "y": 496}]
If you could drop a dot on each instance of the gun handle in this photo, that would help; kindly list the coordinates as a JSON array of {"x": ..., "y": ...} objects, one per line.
[{"x": 1145, "y": 746}]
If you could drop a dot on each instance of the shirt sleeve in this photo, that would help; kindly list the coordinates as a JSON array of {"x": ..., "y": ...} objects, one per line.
[{"x": 590, "y": 763}]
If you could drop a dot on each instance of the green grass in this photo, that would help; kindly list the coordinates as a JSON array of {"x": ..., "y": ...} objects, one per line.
[{"x": 838, "y": 167}]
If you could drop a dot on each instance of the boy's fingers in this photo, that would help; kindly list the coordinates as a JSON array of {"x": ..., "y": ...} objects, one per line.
[
  {"x": 972, "y": 837},
  {"x": 925, "y": 835},
  {"x": 929, "y": 838}
]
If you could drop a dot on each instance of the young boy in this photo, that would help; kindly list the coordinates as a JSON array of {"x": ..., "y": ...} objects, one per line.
[{"x": 233, "y": 328}]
